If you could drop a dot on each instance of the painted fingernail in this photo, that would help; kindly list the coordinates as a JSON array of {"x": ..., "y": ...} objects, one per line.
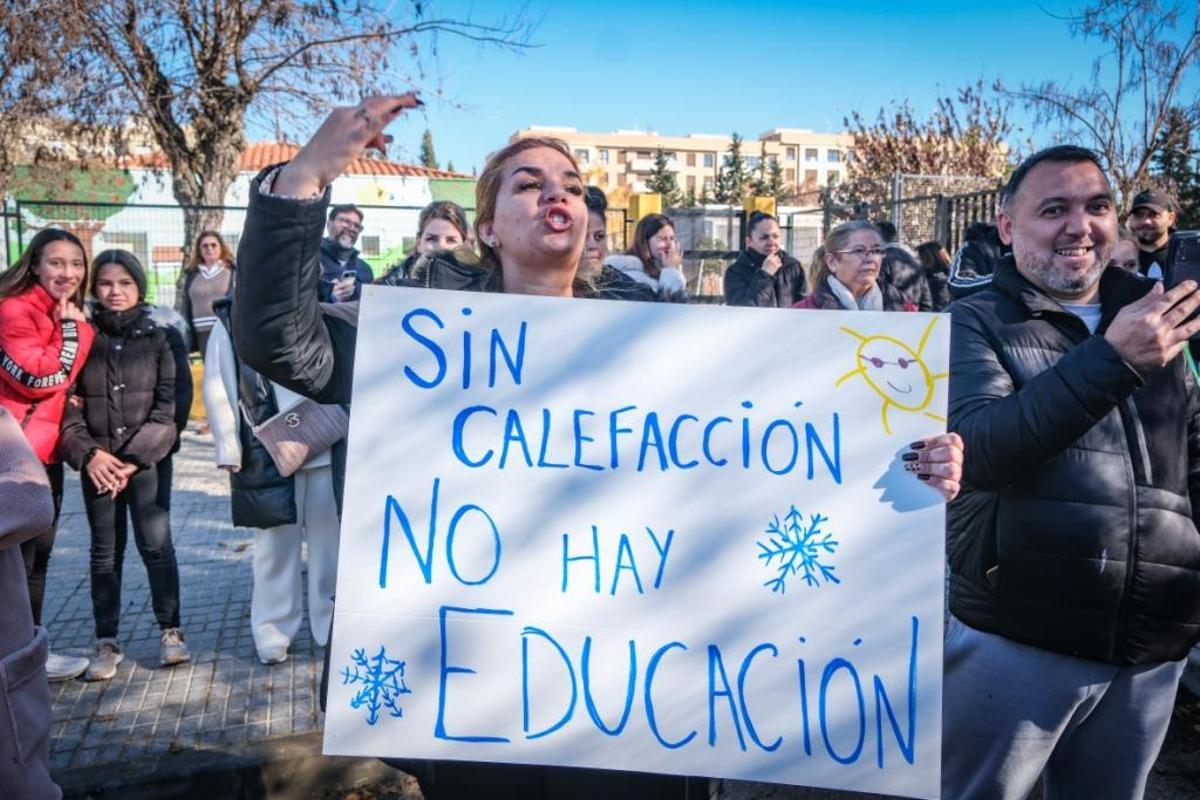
[
  {"x": 910, "y": 467},
  {"x": 910, "y": 456},
  {"x": 922, "y": 477},
  {"x": 917, "y": 446}
]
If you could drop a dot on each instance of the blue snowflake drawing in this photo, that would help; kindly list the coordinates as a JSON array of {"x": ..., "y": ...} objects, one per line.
[
  {"x": 382, "y": 681},
  {"x": 794, "y": 548}
]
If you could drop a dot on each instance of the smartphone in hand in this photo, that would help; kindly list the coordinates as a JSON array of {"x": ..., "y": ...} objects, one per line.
[{"x": 1183, "y": 261}]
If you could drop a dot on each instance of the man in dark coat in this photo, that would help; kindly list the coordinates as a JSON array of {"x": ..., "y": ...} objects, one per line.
[
  {"x": 1152, "y": 220},
  {"x": 339, "y": 258},
  {"x": 973, "y": 264},
  {"x": 1073, "y": 549}
]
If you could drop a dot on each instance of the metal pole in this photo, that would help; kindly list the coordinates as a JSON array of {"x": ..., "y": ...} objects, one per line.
[{"x": 897, "y": 180}]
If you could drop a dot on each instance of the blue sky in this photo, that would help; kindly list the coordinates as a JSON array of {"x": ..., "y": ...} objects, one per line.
[{"x": 717, "y": 67}]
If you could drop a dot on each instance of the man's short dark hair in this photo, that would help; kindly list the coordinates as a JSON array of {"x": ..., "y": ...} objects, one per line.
[
  {"x": 886, "y": 229},
  {"x": 1061, "y": 154},
  {"x": 594, "y": 199},
  {"x": 346, "y": 208}
]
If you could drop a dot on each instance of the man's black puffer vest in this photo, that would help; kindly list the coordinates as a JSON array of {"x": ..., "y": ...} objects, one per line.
[{"x": 1075, "y": 530}]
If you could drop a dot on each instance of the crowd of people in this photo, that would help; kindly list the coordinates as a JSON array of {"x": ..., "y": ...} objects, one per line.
[{"x": 1071, "y": 469}]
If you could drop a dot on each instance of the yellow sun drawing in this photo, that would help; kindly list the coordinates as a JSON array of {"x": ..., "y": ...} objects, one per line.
[{"x": 896, "y": 372}]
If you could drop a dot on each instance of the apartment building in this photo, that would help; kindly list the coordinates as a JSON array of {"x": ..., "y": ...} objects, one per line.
[{"x": 809, "y": 160}]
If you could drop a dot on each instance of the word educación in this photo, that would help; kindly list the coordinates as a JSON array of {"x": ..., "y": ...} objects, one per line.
[{"x": 839, "y": 709}]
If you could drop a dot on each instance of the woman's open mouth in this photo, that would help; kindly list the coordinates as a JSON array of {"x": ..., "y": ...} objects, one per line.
[{"x": 557, "y": 219}]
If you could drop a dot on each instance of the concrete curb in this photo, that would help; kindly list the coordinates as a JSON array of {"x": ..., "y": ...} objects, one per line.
[{"x": 286, "y": 768}]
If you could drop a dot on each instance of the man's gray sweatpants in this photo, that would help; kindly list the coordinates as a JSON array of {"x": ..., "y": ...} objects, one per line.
[{"x": 1011, "y": 711}]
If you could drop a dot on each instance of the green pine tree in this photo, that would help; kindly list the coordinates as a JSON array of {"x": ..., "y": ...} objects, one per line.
[
  {"x": 450, "y": 166},
  {"x": 1177, "y": 167},
  {"x": 759, "y": 186},
  {"x": 428, "y": 158},
  {"x": 733, "y": 177},
  {"x": 662, "y": 180},
  {"x": 776, "y": 186}
]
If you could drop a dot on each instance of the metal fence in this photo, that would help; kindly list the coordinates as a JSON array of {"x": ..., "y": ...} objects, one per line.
[
  {"x": 711, "y": 236},
  {"x": 155, "y": 234}
]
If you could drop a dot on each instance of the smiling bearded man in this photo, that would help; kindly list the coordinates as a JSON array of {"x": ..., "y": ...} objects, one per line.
[{"x": 1073, "y": 549}]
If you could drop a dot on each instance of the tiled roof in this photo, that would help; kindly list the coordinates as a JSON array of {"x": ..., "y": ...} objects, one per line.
[{"x": 263, "y": 154}]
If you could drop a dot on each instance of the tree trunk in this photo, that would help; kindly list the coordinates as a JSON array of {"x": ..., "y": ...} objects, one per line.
[{"x": 200, "y": 180}]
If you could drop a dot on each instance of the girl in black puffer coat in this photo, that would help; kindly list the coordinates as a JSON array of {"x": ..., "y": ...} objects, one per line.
[{"x": 120, "y": 429}]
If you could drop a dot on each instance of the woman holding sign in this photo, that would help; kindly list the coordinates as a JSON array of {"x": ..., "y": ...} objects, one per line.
[{"x": 531, "y": 222}]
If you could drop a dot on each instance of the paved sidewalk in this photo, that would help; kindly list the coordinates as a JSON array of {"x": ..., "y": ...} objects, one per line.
[{"x": 223, "y": 700}]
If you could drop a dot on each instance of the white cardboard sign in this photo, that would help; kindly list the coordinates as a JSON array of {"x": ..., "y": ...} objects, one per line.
[{"x": 652, "y": 537}]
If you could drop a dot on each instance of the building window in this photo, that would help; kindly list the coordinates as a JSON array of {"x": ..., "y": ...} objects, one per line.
[
  {"x": 833, "y": 156},
  {"x": 810, "y": 180},
  {"x": 621, "y": 179},
  {"x": 620, "y": 156},
  {"x": 710, "y": 160},
  {"x": 644, "y": 154},
  {"x": 691, "y": 183},
  {"x": 582, "y": 156},
  {"x": 708, "y": 183},
  {"x": 691, "y": 159},
  {"x": 772, "y": 161},
  {"x": 753, "y": 161},
  {"x": 789, "y": 175},
  {"x": 849, "y": 155},
  {"x": 810, "y": 155},
  {"x": 791, "y": 154},
  {"x": 603, "y": 156},
  {"x": 370, "y": 246}
]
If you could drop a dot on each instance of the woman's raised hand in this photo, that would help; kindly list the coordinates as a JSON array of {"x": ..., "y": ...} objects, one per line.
[
  {"x": 342, "y": 137},
  {"x": 671, "y": 255},
  {"x": 66, "y": 309}
]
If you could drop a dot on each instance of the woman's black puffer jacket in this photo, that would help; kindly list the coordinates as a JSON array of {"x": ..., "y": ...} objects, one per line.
[
  {"x": 127, "y": 390},
  {"x": 746, "y": 284}
]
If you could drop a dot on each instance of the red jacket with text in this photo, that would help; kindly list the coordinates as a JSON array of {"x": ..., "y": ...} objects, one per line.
[{"x": 39, "y": 359}]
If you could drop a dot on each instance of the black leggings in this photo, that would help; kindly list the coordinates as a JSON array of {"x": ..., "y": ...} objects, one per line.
[
  {"x": 147, "y": 500},
  {"x": 36, "y": 552}
]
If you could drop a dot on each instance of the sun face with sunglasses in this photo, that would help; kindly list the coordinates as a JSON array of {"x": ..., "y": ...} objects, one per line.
[{"x": 896, "y": 372}]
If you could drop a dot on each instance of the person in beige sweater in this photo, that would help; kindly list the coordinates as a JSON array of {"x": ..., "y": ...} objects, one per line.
[{"x": 26, "y": 511}]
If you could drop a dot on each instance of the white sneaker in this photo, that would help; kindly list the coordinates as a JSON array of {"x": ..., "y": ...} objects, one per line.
[
  {"x": 64, "y": 668},
  {"x": 273, "y": 655}
]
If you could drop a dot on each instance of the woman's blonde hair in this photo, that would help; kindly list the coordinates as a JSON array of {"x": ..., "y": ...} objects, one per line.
[
  {"x": 194, "y": 259},
  {"x": 837, "y": 240},
  {"x": 487, "y": 193}
]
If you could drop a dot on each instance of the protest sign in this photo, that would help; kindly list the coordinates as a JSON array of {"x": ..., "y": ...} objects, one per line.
[{"x": 651, "y": 537}]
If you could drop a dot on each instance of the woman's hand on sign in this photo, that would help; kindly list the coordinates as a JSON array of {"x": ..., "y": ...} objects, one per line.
[
  {"x": 342, "y": 137},
  {"x": 937, "y": 460}
]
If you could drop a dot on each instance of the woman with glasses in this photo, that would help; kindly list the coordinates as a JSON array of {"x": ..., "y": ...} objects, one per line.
[
  {"x": 207, "y": 278},
  {"x": 848, "y": 277}
]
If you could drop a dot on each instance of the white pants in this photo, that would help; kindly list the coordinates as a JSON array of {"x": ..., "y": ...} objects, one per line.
[{"x": 276, "y": 610}]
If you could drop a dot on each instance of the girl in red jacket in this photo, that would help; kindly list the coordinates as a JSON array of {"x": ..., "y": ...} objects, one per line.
[{"x": 44, "y": 340}]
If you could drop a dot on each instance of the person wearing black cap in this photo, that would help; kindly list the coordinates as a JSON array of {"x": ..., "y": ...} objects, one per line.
[{"x": 1152, "y": 220}]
